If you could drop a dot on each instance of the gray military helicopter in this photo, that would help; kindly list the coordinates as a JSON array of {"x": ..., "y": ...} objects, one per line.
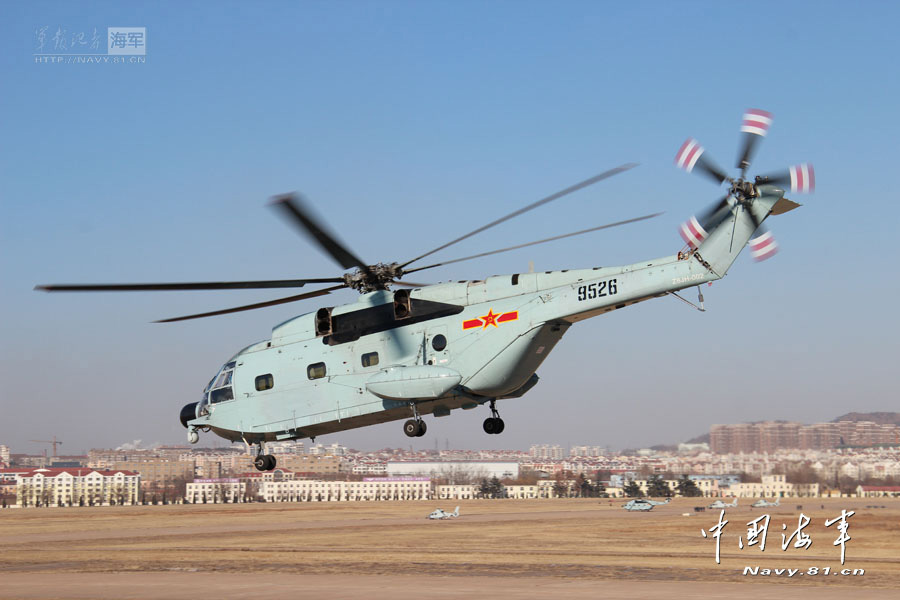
[
  {"x": 723, "y": 504},
  {"x": 431, "y": 349},
  {"x": 763, "y": 503},
  {"x": 441, "y": 515},
  {"x": 642, "y": 504}
]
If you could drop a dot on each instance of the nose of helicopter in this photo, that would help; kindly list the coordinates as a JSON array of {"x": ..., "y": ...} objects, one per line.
[{"x": 188, "y": 412}]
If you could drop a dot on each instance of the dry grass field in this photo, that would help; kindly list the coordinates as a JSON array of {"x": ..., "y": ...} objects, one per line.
[{"x": 561, "y": 548}]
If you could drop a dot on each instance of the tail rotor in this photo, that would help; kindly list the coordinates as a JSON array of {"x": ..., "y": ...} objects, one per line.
[{"x": 743, "y": 191}]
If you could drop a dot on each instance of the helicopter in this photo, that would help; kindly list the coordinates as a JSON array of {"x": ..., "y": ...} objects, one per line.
[
  {"x": 763, "y": 503},
  {"x": 642, "y": 504},
  {"x": 723, "y": 504},
  {"x": 442, "y": 515},
  {"x": 424, "y": 349}
]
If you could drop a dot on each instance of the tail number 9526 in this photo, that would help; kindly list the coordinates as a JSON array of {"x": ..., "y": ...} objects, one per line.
[{"x": 597, "y": 290}]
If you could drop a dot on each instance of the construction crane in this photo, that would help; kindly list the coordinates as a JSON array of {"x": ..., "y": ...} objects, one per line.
[{"x": 53, "y": 442}]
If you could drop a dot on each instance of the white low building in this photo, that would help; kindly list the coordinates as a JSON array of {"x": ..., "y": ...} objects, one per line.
[
  {"x": 215, "y": 491},
  {"x": 772, "y": 486},
  {"x": 471, "y": 469},
  {"x": 370, "y": 488},
  {"x": 77, "y": 486}
]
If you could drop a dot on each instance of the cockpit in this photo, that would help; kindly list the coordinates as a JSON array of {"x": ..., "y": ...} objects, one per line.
[{"x": 219, "y": 389}]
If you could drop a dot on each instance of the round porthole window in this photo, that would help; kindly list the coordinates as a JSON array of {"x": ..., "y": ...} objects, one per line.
[{"x": 439, "y": 342}]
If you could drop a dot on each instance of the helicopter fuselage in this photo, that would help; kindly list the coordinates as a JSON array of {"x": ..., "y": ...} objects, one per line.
[{"x": 426, "y": 351}]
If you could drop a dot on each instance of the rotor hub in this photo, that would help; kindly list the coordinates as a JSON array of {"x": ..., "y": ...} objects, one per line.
[{"x": 374, "y": 277}]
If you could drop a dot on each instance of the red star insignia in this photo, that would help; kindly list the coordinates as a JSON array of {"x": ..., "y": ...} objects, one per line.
[{"x": 490, "y": 319}]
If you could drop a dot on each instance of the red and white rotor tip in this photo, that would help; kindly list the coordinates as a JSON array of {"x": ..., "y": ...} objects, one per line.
[
  {"x": 763, "y": 246},
  {"x": 756, "y": 121},
  {"x": 803, "y": 178},
  {"x": 692, "y": 232},
  {"x": 688, "y": 155}
]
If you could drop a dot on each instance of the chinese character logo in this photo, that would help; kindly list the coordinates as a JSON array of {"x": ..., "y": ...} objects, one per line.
[{"x": 126, "y": 40}]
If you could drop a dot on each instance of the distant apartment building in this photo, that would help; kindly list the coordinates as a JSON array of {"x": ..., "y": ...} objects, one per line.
[
  {"x": 77, "y": 487},
  {"x": 158, "y": 472},
  {"x": 333, "y": 450},
  {"x": 771, "y": 436},
  {"x": 590, "y": 451},
  {"x": 545, "y": 451},
  {"x": 312, "y": 463},
  {"x": 4, "y": 455}
]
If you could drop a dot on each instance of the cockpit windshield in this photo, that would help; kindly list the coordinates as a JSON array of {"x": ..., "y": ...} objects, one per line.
[{"x": 218, "y": 389}]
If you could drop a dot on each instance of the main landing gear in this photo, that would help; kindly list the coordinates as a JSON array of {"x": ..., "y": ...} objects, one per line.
[
  {"x": 415, "y": 427},
  {"x": 494, "y": 424},
  {"x": 263, "y": 462}
]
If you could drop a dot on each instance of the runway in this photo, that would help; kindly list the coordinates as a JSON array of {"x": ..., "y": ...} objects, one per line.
[{"x": 580, "y": 548}]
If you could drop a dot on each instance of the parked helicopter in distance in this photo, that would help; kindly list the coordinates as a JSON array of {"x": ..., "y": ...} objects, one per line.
[
  {"x": 442, "y": 515},
  {"x": 763, "y": 503},
  {"x": 722, "y": 504},
  {"x": 431, "y": 349},
  {"x": 643, "y": 504}
]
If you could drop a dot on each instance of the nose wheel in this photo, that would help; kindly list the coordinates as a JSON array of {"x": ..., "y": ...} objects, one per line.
[{"x": 493, "y": 425}]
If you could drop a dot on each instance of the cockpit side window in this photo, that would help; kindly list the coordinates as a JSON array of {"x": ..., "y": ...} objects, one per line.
[
  {"x": 316, "y": 370},
  {"x": 221, "y": 390}
]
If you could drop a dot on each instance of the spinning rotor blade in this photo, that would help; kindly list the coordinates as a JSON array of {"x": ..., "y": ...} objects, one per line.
[
  {"x": 801, "y": 177},
  {"x": 226, "y": 311},
  {"x": 551, "y": 239},
  {"x": 694, "y": 230},
  {"x": 297, "y": 211},
  {"x": 541, "y": 202},
  {"x": 763, "y": 246},
  {"x": 754, "y": 127},
  {"x": 689, "y": 157},
  {"x": 163, "y": 287}
]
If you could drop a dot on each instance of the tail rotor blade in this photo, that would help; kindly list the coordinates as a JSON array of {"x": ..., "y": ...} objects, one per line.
[
  {"x": 690, "y": 157},
  {"x": 801, "y": 177},
  {"x": 754, "y": 127},
  {"x": 696, "y": 229},
  {"x": 763, "y": 246}
]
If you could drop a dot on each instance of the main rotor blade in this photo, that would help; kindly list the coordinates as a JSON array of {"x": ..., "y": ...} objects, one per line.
[
  {"x": 167, "y": 287},
  {"x": 541, "y": 202},
  {"x": 226, "y": 311},
  {"x": 296, "y": 210},
  {"x": 754, "y": 127},
  {"x": 551, "y": 239}
]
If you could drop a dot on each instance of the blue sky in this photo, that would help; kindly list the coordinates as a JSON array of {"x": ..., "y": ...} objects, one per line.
[{"x": 407, "y": 122}]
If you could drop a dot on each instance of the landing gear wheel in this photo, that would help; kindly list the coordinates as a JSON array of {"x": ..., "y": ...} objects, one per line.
[
  {"x": 500, "y": 425},
  {"x": 422, "y": 429},
  {"x": 260, "y": 462},
  {"x": 491, "y": 426},
  {"x": 264, "y": 462},
  {"x": 411, "y": 428}
]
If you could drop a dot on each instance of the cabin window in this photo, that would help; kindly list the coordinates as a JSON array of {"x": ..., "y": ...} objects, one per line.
[
  {"x": 370, "y": 359},
  {"x": 439, "y": 342},
  {"x": 265, "y": 382},
  {"x": 316, "y": 371}
]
